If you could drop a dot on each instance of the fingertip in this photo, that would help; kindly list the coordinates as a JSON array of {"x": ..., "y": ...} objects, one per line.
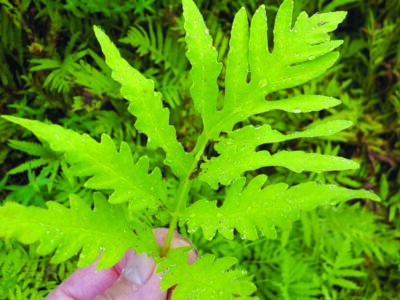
[{"x": 123, "y": 289}]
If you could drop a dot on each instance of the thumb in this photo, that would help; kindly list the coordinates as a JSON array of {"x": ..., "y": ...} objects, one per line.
[{"x": 137, "y": 281}]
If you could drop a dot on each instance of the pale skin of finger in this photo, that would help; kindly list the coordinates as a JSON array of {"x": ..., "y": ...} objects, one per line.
[{"x": 132, "y": 278}]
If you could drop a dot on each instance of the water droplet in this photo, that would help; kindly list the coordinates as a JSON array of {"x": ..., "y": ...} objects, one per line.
[
  {"x": 321, "y": 23},
  {"x": 313, "y": 28},
  {"x": 311, "y": 57},
  {"x": 297, "y": 110},
  {"x": 263, "y": 83}
]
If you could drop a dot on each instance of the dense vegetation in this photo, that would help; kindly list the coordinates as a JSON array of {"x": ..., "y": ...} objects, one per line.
[{"x": 52, "y": 69}]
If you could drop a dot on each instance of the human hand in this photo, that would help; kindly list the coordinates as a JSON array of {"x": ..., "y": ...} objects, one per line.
[{"x": 134, "y": 277}]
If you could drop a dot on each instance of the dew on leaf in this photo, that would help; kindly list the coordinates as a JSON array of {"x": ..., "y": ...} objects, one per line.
[
  {"x": 311, "y": 57},
  {"x": 263, "y": 83},
  {"x": 297, "y": 110}
]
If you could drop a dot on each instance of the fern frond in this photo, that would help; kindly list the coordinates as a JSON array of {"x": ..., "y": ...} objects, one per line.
[
  {"x": 23, "y": 274},
  {"x": 303, "y": 51},
  {"x": 95, "y": 81},
  {"x": 60, "y": 78},
  {"x": 241, "y": 147},
  {"x": 206, "y": 278},
  {"x": 205, "y": 68},
  {"x": 104, "y": 230},
  {"x": 31, "y": 148},
  {"x": 368, "y": 235},
  {"x": 108, "y": 168},
  {"x": 146, "y": 106},
  {"x": 149, "y": 41},
  {"x": 29, "y": 165},
  {"x": 165, "y": 52},
  {"x": 255, "y": 207},
  {"x": 343, "y": 266},
  {"x": 296, "y": 281},
  {"x": 253, "y": 71}
]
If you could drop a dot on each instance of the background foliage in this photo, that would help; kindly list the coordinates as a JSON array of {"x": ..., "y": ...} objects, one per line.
[{"x": 52, "y": 69}]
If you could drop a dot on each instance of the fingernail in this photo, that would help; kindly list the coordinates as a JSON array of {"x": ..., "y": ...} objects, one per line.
[{"x": 138, "y": 269}]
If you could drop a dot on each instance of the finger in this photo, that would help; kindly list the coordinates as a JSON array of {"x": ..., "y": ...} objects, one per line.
[
  {"x": 85, "y": 283},
  {"x": 137, "y": 281},
  {"x": 134, "y": 271},
  {"x": 138, "y": 278}
]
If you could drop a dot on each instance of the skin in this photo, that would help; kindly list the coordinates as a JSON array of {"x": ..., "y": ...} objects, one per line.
[{"x": 133, "y": 278}]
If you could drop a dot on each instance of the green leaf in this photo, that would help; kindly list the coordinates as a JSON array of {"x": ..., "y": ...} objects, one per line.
[
  {"x": 237, "y": 65},
  {"x": 146, "y": 105},
  {"x": 302, "y": 104},
  {"x": 30, "y": 165},
  {"x": 109, "y": 168},
  {"x": 240, "y": 147},
  {"x": 345, "y": 283},
  {"x": 250, "y": 136},
  {"x": 299, "y": 161},
  {"x": 103, "y": 230},
  {"x": 46, "y": 155},
  {"x": 258, "y": 207},
  {"x": 303, "y": 50},
  {"x": 31, "y": 148},
  {"x": 205, "y": 68},
  {"x": 206, "y": 278}
]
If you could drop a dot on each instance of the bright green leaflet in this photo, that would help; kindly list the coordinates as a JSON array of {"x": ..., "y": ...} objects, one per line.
[
  {"x": 215, "y": 278},
  {"x": 205, "y": 68},
  {"x": 109, "y": 168},
  {"x": 302, "y": 51},
  {"x": 261, "y": 207},
  {"x": 69, "y": 230},
  {"x": 238, "y": 153},
  {"x": 146, "y": 106}
]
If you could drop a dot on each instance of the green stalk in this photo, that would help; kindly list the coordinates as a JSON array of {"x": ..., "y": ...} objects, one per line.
[{"x": 183, "y": 193}]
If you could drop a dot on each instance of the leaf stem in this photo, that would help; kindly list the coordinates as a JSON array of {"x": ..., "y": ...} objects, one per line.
[
  {"x": 185, "y": 184},
  {"x": 183, "y": 193}
]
